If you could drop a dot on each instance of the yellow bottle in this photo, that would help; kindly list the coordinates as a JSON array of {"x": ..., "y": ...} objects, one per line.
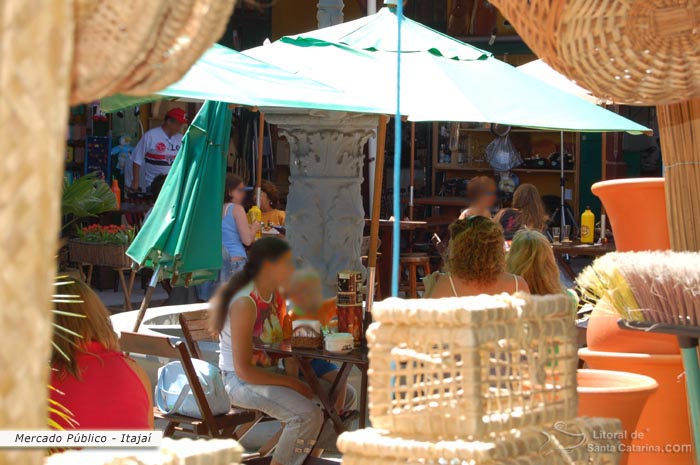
[
  {"x": 587, "y": 226},
  {"x": 255, "y": 216}
]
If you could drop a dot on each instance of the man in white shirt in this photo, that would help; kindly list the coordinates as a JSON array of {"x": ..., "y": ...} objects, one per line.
[{"x": 157, "y": 149}]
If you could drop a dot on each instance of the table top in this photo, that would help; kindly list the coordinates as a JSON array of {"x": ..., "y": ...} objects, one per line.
[
  {"x": 577, "y": 249},
  {"x": 358, "y": 356},
  {"x": 405, "y": 225},
  {"x": 439, "y": 201}
]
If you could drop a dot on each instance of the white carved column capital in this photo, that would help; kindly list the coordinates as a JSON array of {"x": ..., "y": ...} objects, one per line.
[
  {"x": 330, "y": 12},
  {"x": 325, "y": 218}
]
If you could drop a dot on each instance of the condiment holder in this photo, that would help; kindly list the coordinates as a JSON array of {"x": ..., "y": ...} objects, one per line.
[
  {"x": 306, "y": 334},
  {"x": 339, "y": 343}
]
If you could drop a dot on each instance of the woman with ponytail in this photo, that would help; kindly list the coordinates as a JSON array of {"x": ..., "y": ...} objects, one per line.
[{"x": 246, "y": 310}]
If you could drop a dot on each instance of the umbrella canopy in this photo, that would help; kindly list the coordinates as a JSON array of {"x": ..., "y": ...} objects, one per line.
[
  {"x": 182, "y": 235},
  {"x": 542, "y": 71},
  {"x": 443, "y": 79},
  {"x": 225, "y": 75}
]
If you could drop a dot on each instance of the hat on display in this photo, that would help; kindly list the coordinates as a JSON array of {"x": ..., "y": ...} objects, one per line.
[{"x": 178, "y": 114}]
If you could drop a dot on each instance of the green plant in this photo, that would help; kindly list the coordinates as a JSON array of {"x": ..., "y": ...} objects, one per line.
[
  {"x": 108, "y": 234},
  {"x": 86, "y": 197},
  {"x": 54, "y": 407}
]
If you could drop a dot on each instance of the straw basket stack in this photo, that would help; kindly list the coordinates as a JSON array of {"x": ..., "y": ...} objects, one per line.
[
  {"x": 53, "y": 52},
  {"x": 637, "y": 52},
  {"x": 482, "y": 380}
]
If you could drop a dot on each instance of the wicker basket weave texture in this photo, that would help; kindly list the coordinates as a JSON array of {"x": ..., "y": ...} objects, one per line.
[
  {"x": 99, "y": 254},
  {"x": 580, "y": 441},
  {"x": 139, "y": 47},
  {"x": 35, "y": 59},
  {"x": 639, "y": 52},
  {"x": 464, "y": 368}
]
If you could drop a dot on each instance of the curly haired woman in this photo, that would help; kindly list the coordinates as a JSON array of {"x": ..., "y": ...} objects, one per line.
[{"x": 476, "y": 262}]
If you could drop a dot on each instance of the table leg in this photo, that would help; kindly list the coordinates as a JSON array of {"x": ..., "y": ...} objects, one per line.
[
  {"x": 340, "y": 380},
  {"x": 565, "y": 266},
  {"x": 329, "y": 409},
  {"x": 363, "y": 396},
  {"x": 125, "y": 289},
  {"x": 88, "y": 280}
]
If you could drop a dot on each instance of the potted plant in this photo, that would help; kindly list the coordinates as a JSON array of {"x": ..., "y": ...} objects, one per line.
[{"x": 102, "y": 245}]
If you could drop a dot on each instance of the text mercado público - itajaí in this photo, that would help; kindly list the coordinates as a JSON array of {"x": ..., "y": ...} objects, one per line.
[{"x": 85, "y": 439}]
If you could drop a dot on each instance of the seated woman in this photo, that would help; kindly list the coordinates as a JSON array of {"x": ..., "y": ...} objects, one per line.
[
  {"x": 247, "y": 310},
  {"x": 481, "y": 193},
  {"x": 269, "y": 199},
  {"x": 527, "y": 211},
  {"x": 476, "y": 262},
  {"x": 531, "y": 257},
  {"x": 90, "y": 376}
]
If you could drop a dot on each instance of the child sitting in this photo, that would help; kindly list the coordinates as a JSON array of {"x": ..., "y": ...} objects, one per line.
[{"x": 307, "y": 303}]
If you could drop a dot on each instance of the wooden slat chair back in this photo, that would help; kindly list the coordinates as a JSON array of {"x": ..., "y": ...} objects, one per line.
[
  {"x": 195, "y": 329},
  {"x": 215, "y": 426}
]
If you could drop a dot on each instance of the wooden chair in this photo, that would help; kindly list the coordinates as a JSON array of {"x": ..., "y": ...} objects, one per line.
[
  {"x": 215, "y": 426},
  {"x": 412, "y": 262},
  {"x": 195, "y": 329}
]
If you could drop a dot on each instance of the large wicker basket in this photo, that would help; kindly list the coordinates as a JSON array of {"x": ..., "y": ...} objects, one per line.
[
  {"x": 641, "y": 52},
  {"x": 468, "y": 367},
  {"x": 580, "y": 441},
  {"x": 98, "y": 254}
]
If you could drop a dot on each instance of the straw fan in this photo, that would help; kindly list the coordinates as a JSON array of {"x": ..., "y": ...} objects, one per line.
[{"x": 635, "y": 52}]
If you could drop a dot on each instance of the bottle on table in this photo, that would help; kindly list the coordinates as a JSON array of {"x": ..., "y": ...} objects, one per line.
[
  {"x": 255, "y": 215},
  {"x": 117, "y": 192},
  {"x": 587, "y": 226}
]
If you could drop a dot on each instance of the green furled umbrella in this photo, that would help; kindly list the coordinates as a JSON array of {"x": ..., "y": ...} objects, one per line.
[{"x": 181, "y": 238}]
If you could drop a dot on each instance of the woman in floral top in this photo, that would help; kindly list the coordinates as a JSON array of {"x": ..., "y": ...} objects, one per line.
[{"x": 247, "y": 309}]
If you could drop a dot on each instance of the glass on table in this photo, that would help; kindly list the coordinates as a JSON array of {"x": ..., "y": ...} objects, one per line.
[
  {"x": 556, "y": 235},
  {"x": 566, "y": 233}
]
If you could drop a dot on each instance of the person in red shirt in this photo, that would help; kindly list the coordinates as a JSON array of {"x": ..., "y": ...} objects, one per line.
[{"x": 93, "y": 384}]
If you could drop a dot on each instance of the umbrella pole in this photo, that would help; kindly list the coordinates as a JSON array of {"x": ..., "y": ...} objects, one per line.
[
  {"x": 376, "y": 207},
  {"x": 258, "y": 173},
  {"x": 562, "y": 181},
  {"x": 147, "y": 298},
  {"x": 411, "y": 174}
]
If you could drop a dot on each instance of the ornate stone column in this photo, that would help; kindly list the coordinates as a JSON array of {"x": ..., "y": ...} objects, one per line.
[
  {"x": 325, "y": 217},
  {"x": 330, "y": 12}
]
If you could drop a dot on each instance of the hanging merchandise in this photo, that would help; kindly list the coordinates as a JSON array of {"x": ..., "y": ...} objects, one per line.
[
  {"x": 501, "y": 153},
  {"x": 122, "y": 153}
]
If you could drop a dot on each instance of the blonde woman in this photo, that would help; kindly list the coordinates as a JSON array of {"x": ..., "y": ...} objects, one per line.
[
  {"x": 90, "y": 376},
  {"x": 531, "y": 257},
  {"x": 476, "y": 262}
]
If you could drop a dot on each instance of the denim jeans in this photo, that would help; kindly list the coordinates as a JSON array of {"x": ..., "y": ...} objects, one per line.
[
  {"x": 302, "y": 418},
  {"x": 228, "y": 268}
]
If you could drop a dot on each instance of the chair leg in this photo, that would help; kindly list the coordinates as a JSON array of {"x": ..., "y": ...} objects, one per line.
[
  {"x": 170, "y": 429},
  {"x": 413, "y": 278},
  {"x": 270, "y": 445}
]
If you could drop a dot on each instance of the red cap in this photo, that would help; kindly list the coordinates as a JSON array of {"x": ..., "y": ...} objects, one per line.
[{"x": 178, "y": 114}]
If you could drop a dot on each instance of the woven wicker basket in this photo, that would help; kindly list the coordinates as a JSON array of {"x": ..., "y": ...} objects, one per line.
[
  {"x": 467, "y": 367},
  {"x": 581, "y": 441},
  {"x": 99, "y": 254},
  {"x": 306, "y": 337},
  {"x": 641, "y": 52}
]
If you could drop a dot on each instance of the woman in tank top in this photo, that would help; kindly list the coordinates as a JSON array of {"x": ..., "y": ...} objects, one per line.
[
  {"x": 236, "y": 233},
  {"x": 246, "y": 310},
  {"x": 476, "y": 262},
  {"x": 90, "y": 377}
]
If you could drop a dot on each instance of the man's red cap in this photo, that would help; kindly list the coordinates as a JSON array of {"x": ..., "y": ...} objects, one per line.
[{"x": 178, "y": 114}]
